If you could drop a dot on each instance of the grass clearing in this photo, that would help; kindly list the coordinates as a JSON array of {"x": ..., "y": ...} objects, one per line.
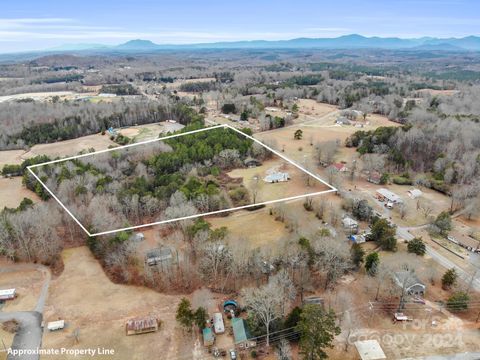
[
  {"x": 89, "y": 301},
  {"x": 258, "y": 227},
  {"x": 26, "y": 280},
  {"x": 12, "y": 192},
  {"x": 11, "y": 157},
  {"x": 71, "y": 147}
]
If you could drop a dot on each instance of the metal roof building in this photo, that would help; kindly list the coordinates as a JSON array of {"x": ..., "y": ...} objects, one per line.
[
  {"x": 370, "y": 350},
  {"x": 241, "y": 334},
  {"x": 388, "y": 195}
]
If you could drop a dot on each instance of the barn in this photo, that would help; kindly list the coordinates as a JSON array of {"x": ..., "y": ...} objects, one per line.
[{"x": 141, "y": 325}]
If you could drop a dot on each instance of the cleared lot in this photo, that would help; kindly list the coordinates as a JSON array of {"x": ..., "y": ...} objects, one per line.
[
  {"x": 12, "y": 192},
  {"x": 86, "y": 299},
  {"x": 70, "y": 147},
  {"x": 11, "y": 157},
  {"x": 258, "y": 228}
]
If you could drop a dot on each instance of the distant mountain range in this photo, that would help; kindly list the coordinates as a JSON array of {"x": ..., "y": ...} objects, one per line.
[{"x": 354, "y": 41}]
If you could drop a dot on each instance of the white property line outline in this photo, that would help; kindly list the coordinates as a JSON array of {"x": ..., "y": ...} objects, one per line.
[{"x": 332, "y": 188}]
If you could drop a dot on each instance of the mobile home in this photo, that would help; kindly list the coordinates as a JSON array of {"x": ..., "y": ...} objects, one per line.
[
  {"x": 7, "y": 294},
  {"x": 218, "y": 324}
]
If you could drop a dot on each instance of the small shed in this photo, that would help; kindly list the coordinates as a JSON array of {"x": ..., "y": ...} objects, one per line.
[
  {"x": 277, "y": 177},
  {"x": 56, "y": 325},
  {"x": 349, "y": 223},
  {"x": 208, "y": 337},
  {"x": 141, "y": 325},
  {"x": 241, "y": 334},
  {"x": 339, "y": 167},
  {"x": 357, "y": 239},
  {"x": 157, "y": 256},
  {"x": 251, "y": 162},
  {"x": 7, "y": 294},
  {"x": 137, "y": 237},
  {"x": 218, "y": 325},
  {"x": 414, "y": 193},
  {"x": 369, "y": 350},
  {"x": 343, "y": 121},
  {"x": 313, "y": 300}
]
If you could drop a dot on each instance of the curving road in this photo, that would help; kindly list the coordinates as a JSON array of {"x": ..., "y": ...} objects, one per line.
[{"x": 30, "y": 334}]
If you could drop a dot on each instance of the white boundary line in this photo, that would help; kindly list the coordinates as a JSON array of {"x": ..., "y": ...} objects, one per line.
[{"x": 332, "y": 188}]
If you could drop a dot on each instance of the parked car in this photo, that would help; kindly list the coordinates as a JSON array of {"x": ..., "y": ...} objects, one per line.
[{"x": 233, "y": 354}]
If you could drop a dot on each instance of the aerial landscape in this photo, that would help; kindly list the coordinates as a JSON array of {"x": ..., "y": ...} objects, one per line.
[{"x": 251, "y": 180}]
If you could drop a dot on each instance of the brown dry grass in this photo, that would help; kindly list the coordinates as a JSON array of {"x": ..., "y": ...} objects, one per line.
[
  {"x": 12, "y": 192},
  {"x": 26, "y": 281},
  {"x": 9, "y": 157},
  {"x": 88, "y": 300},
  {"x": 70, "y": 147},
  {"x": 258, "y": 227}
]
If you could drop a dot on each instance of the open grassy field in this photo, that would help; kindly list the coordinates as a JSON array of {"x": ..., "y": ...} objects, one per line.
[
  {"x": 70, "y": 147},
  {"x": 12, "y": 192},
  {"x": 26, "y": 280},
  {"x": 433, "y": 92},
  {"x": 149, "y": 131},
  {"x": 36, "y": 96},
  {"x": 258, "y": 227},
  {"x": 10, "y": 157},
  {"x": 177, "y": 83},
  {"x": 89, "y": 301},
  {"x": 314, "y": 108}
]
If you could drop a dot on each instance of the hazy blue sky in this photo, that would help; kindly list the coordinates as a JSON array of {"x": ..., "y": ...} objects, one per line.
[{"x": 35, "y": 24}]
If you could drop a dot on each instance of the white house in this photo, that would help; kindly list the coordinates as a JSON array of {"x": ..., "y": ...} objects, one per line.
[
  {"x": 410, "y": 283},
  {"x": 277, "y": 177}
]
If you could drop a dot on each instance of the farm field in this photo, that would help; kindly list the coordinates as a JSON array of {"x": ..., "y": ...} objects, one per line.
[
  {"x": 11, "y": 157},
  {"x": 177, "y": 83},
  {"x": 149, "y": 131},
  {"x": 70, "y": 147},
  {"x": 35, "y": 96},
  {"x": 12, "y": 192},
  {"x": 26, "y": 280},
  {"x": 258, "y": 228},
  {"x": 433, "y": 92},
  {"x": 99, "y": 309}
]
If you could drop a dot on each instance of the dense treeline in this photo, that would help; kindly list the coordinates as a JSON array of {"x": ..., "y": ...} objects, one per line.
[
  {"x": 62, "y": 121},
  {"x": 178, "y": 177}
]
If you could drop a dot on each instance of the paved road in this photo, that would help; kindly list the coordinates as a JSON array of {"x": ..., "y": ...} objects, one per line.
[
  {"x": 30, "y": 334},
  {"x": 460, "y": 356},
  {"x": 404, "y": 233}
]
